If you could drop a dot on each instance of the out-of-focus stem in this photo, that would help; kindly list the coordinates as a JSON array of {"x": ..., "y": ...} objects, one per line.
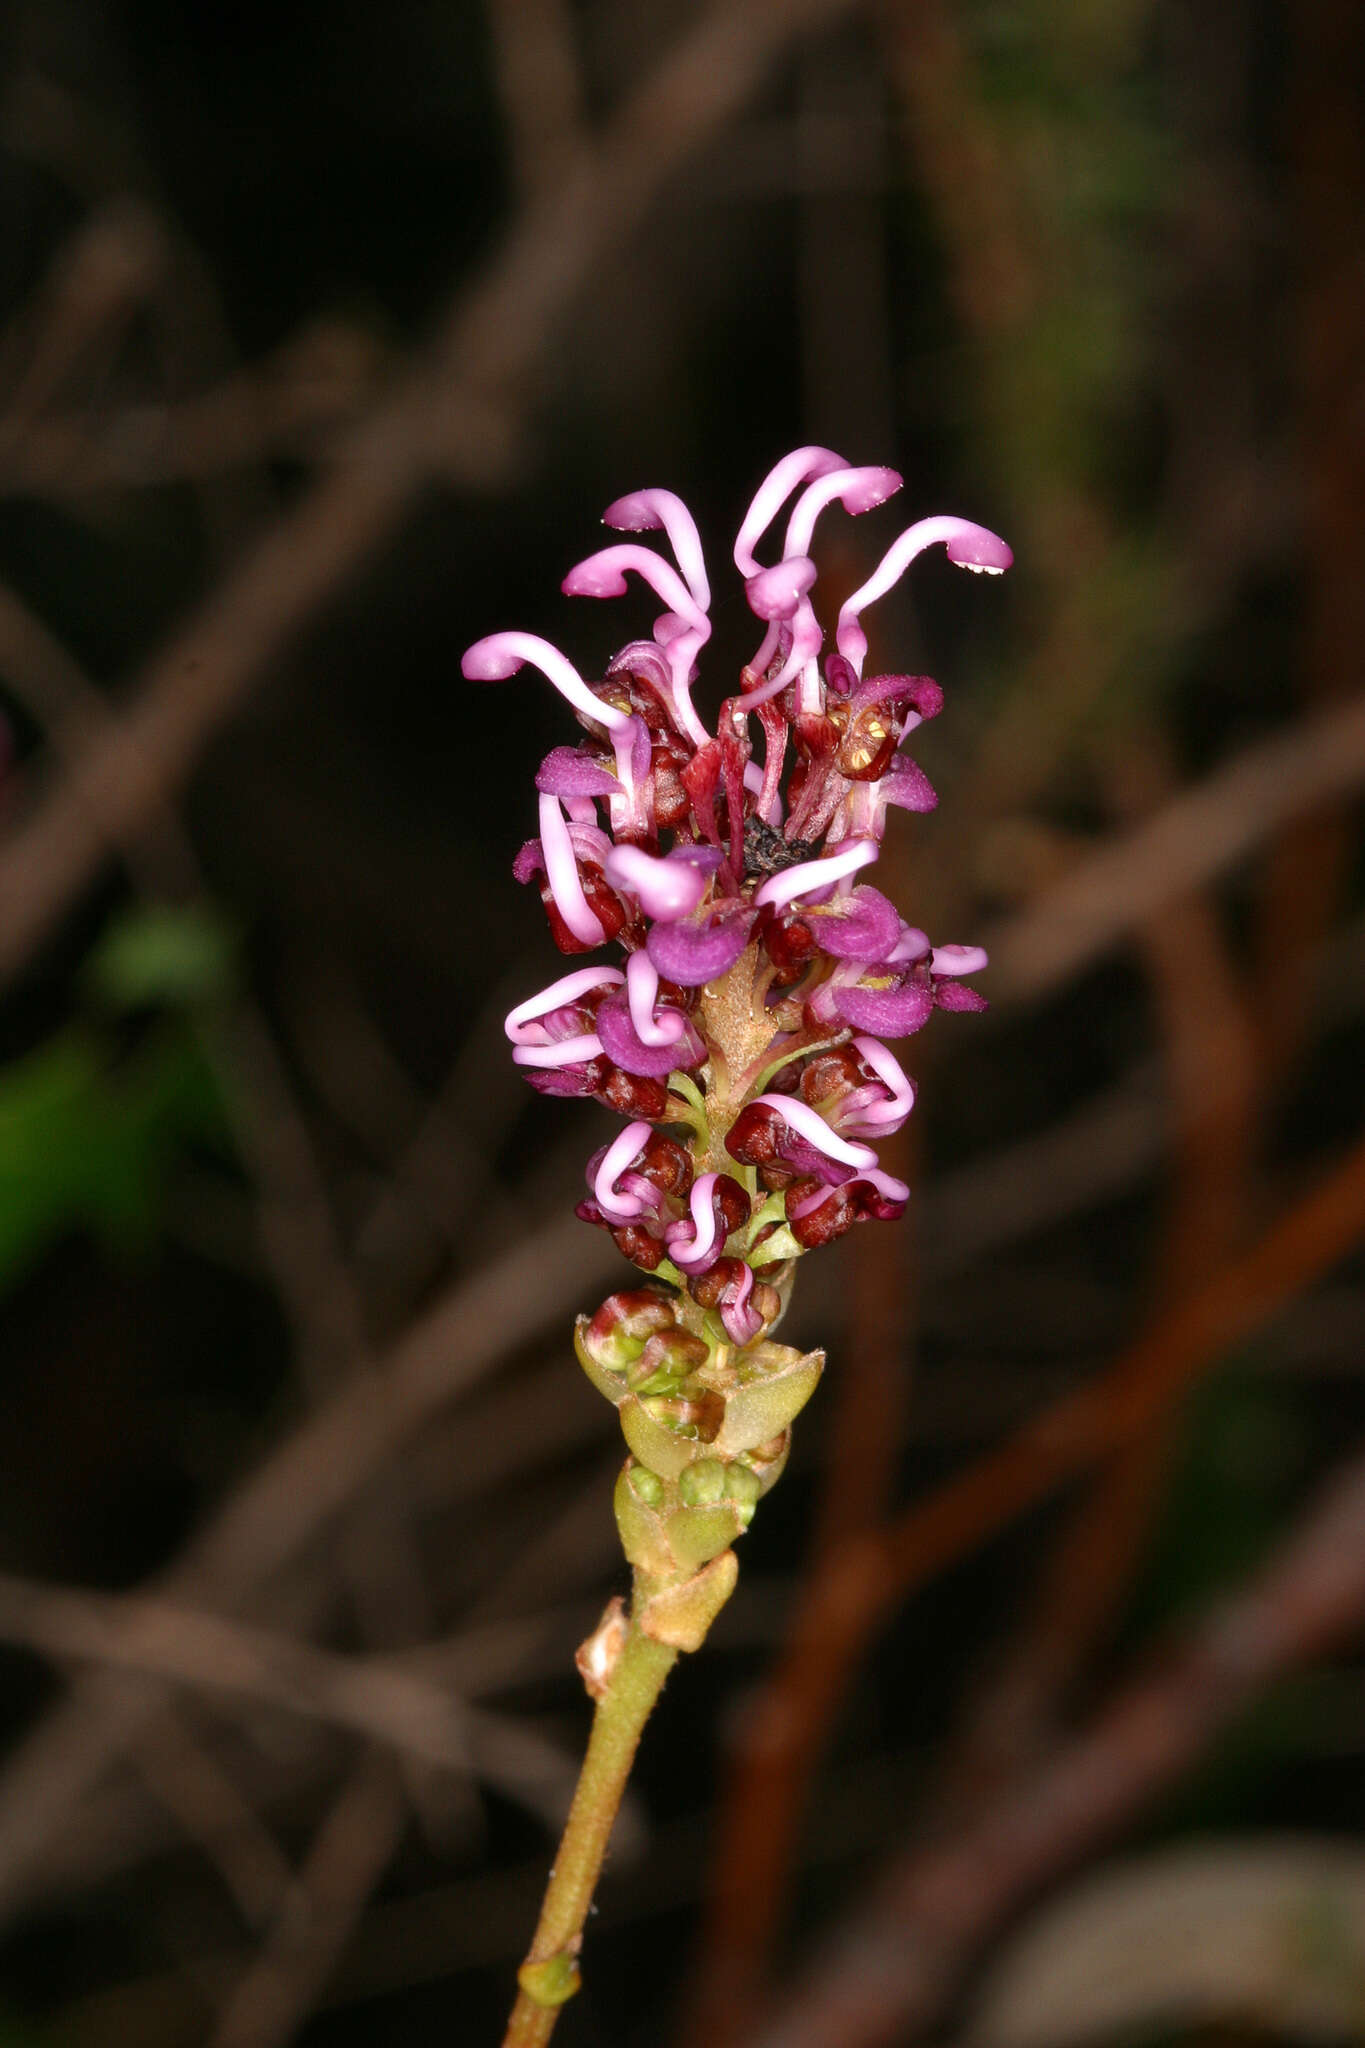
[{"x": 549, "y": 1976}]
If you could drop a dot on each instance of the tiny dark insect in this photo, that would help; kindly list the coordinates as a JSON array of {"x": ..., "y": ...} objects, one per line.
[{"x": 766, "y": 852}]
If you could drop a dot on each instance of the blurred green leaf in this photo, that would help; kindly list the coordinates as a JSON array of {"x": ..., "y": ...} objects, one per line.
[
  {"x": 87, "y": 1144},
  {"x": 161, "y": 954},
  {"x": 1232, "y": 1487}
]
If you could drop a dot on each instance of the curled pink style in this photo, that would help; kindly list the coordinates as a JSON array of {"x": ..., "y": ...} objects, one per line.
[
  {"x": 810, "y": 1125},
  {"x": 692, "y": 1251},
  {"x": 968, "y": 545},
  {"x": 957, "y": 960},
  {"x": 810, "y": 875},
  {"x": 886, "y": 1185},
  {"x": 887, "y": 1068},
  {"x": 561, "y": 869},
  {"x": 604, "y": 575},
  {"x": 642, "y": 989},
  {"x": 667, "y": 886},
  {"x": 647, "y": 511},
  {"x": 559, "y": 1052},
  {"x": 775, "y": 593},
  {"x": 499, "y": 655},
  {"x": 911, "y": 947},
  {"x": 566, "y": 990},
  {"x": 772, "y": 494},
  {"x": 611, "y": 1200},
  {"x": 858, "y": 490}
]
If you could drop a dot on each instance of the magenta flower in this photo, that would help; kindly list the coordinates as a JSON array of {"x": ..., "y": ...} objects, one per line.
[{"x": 760, "y": 971}]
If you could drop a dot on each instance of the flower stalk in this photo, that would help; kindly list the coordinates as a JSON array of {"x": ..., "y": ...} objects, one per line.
[{"x": 742, "y": 1041}]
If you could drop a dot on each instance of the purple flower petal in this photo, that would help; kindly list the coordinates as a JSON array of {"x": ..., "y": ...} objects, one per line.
[
  {"x": 955, "y": 995},
  {"x": 566, "y": 772},
  {"x": 866, "y": 926},
  {"x": 922, "y": 693},
  {"x": 890, "y": 1012},
  {"x": 690, "y": 953},
  {"x": 908, "y": 787},
  {"x": 625, "y": 1048}
]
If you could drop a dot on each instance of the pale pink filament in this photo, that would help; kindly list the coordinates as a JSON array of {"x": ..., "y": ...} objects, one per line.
[
  {"x": 958, "y": 960},
  {"x": 526, "y": 1016},
  {"x": 561, "y": 868},
  {"x": 642, "y": 989},
  {"x": 810, "y": 1125},
  {"x": 604, "y": 575},
  {"x": 642, "y": 511},
  {"x": 772, "y": 494},
  {"x": 886, "y": 1184},
  {"x": 500, "y": 655},
  {"x": 614, "y": 1204},
  {"x": 809, "y": 875},
  {"x": 912, "y": 946},
  {"x": 858, "y": 490},
  {"x": 969, "y": 546}
]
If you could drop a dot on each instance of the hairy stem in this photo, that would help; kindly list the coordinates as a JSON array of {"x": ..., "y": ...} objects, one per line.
[{"x": 549, "y": 1975}]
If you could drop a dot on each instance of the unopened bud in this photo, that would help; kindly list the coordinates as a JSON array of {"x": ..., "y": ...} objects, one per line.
[
  {"x": 703, "y": 1483},
  {"x": 646, "y": 1485},
  {"x": 618, "y": 1332},
  {"x": 745, "y": 1489},
  {"x": 666, "y": 1360}
]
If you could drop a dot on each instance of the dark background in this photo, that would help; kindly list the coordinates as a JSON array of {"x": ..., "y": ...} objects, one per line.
[{"x": 326, "y": 335}]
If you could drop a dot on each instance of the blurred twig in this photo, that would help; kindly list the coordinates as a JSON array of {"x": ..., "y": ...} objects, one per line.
[
  {"x": 780, "y": 1744},
  {"x": 345, "y": 1862},
  {"x": 455, "y": 413},
  {"x": 1197, "y": 836},
  {"x": 540, "y": 86},
  {"x": 885, "y": 1975},
  {"x": 378, "y": 1697}
]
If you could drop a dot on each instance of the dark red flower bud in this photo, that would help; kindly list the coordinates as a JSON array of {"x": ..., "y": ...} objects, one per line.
[
  {"x": 632, "y": 1095},
  {"x": 667, "y": 1163},
  {"x": 830, "y": 1075},
  {"x": 637, "y": 1244},
  {"x": 755, "y": 1136}
]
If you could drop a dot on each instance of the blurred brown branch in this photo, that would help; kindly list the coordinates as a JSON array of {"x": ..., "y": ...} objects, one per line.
[
  {"x": 1192, "y": 839},
  {"x": 288, "y": 1502},
  {"x": 887, "y": 1972},
  {"x": 455, "y": 414},
  {"x": 778, "y": 1748}
]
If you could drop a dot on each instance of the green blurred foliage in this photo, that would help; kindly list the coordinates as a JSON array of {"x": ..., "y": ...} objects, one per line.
[{"x": 90, "y": 1131}]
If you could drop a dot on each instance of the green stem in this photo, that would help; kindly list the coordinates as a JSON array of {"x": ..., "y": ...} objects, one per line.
[{"x": 549, "y": 1975}]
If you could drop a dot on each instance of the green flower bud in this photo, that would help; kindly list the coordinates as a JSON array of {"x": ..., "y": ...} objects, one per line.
[
  {"x": 742, "y": 1485},
  {"x": 619, "y": 1331},
  {"x": 745, "y": 1489},
  {"x": 644, "y": 1539},
  {"x": 667, "y": 1358},
  {"x": 645, "y": 1485},
  {"x": 703, "y": 1483}
]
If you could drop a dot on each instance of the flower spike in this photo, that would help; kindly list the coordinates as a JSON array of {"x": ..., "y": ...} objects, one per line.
[{"x": 746, "y": 1023}]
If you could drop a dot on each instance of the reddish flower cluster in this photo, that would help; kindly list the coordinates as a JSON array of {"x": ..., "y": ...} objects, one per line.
[{"x": 742, "y": 1036}]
